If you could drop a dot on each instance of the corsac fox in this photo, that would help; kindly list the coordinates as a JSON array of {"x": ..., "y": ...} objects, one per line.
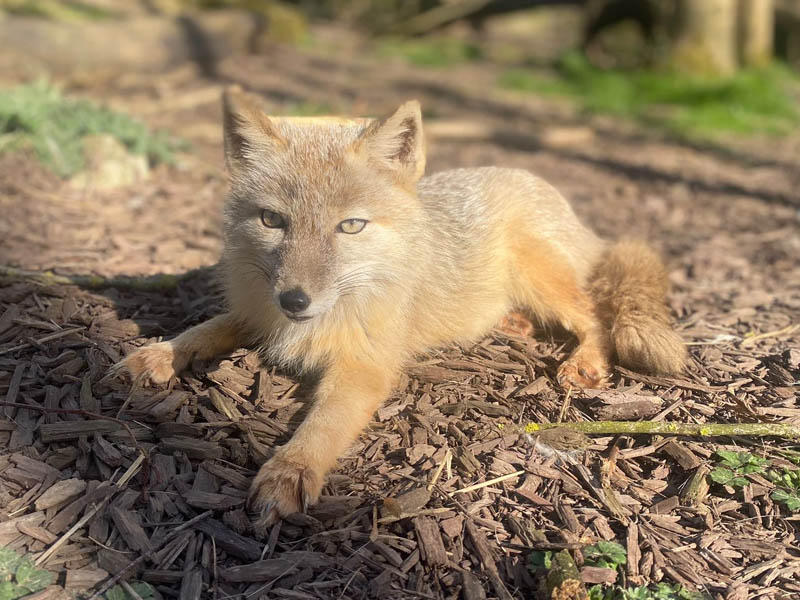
[{"x": 342, "y": 259}]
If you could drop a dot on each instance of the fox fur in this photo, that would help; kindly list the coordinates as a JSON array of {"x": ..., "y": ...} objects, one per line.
[{"x": 440, "y": 259}]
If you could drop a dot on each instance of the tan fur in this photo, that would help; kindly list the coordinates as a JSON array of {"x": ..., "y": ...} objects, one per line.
[
  {"x": 629, "y": 285},
  {"x": 441, "y": 259}
]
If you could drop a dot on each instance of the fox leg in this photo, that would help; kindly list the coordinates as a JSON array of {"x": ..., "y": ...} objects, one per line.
[
  {"x": 160, "y": 361},
  {"x": 346, "y": 398},
  {"x": 547, "y": 284}
]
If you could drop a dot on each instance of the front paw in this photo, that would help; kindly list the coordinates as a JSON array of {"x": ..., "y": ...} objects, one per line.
[
  {"x": 283, "y": 487},
  {"x": 581, "y": 372},
  {"x": 156, "y": 362}
]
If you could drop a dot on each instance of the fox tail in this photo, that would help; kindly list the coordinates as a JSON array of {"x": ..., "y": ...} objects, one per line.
[{"x": 629, "y": 285}]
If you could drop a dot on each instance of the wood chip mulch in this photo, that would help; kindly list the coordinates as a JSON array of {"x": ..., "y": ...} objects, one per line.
[{"x": 409, "y": 513}]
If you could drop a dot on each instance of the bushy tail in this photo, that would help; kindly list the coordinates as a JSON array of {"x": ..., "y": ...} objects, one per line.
[{"x": 629, "y": 285}]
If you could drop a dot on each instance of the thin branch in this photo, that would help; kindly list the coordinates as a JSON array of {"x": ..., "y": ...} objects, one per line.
[
  {"x": 782, "y": 430},
  {"x": 92, "y": 511}
]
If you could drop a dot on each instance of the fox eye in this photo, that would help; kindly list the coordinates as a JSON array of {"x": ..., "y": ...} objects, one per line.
[
  {"x": 272, "y": 219},
  {"x": 352, "y": 225}
]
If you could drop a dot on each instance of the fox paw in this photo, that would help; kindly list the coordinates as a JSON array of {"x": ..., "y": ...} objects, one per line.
[
  {"x": 582, "y": 373},
  {"x": 515, "y": 323},
  {"x": 156, "y": 362},
  {"x": 282, "y": 487}
]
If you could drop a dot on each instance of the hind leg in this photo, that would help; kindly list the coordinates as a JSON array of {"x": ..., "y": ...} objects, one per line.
[{"x": 547, "y": 284}]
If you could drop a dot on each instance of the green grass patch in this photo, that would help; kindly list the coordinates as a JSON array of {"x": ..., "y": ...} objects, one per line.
[
  {"x": 435, "y": 52},
  {"x": 763, "y": 101},
  {"x": 57, "y": 10},
  {"x": 39, "y": 117},
  {"x": 309, "y": 108}
]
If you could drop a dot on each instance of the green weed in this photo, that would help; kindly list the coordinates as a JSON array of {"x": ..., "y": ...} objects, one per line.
[
  {"x": 39, "y": 117},
  {"x": 57, "y": 10}
]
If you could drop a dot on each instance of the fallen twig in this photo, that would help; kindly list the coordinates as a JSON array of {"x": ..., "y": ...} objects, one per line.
[
  {"x": 92, "y": 511},
  {"x": 749, "y": 341},
  {"x": 42, "y": 340},
  {"x": 782, "y": 430}
]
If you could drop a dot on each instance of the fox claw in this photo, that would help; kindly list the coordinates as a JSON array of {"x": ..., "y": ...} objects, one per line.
[
  {"x": 577, "y": 373},
  {"x": 282, "y": 487}
]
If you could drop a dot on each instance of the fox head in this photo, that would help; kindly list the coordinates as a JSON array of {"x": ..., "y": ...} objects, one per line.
[{"x": 321, "y": 212}]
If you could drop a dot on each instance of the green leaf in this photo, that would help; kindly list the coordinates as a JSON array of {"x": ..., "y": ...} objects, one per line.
[
  {"x": 31, "y": 578},
  {"x": 117, "y": 593},
  {"x": 790, "y": 500},
  {"x": 540, "y": 559},
  {"x": 598, "y": 592},
  {"x": 143, "y": 589},
  {"x": 8, "y": 563},
  {"x": 605, "y": 554},
  {"x": 724, "y": 476},
  {"x": 744, "y": 462},
  {"x": 637, "y": 593},
  {"x": 11, "y": 591},
  {"x": 730, "y": 458}
]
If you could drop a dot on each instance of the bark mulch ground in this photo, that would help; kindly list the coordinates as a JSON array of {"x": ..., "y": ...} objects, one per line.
[{"x": 445, "y": 495}]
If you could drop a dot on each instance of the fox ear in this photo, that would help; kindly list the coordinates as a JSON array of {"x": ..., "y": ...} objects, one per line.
[
  {"x": 396, "y": 143},
  {"x": 249, "y": 134}
]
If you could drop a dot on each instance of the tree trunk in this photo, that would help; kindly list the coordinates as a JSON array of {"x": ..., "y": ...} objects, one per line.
[
  {"x": 706, "y": 37},
  {"x": 756, "y": 27}
]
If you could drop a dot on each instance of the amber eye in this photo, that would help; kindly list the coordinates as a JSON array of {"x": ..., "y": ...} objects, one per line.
[
  {"x": 272, "y": 219},
  {"x": 352, "y": 225}
]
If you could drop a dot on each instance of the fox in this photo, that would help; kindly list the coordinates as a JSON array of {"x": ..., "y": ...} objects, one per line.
[{"x": 342, "y": 260}]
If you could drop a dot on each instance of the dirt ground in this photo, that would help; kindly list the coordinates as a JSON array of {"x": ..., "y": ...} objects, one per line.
[{"x": 725, "y": 217}]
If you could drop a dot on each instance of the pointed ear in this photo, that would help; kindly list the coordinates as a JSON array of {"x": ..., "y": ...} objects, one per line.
[
  {"x": 396, "y": 143},
  {"x": 249, "y": 134}
]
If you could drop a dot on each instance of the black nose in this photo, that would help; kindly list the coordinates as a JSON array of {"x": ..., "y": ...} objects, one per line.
[{"x": 294, "y": 300}]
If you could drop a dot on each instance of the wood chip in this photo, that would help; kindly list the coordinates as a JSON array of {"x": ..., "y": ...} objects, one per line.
[
  {"x": 129, "y": 529},
  {"x": 60, "y": 492},
  {"x": 430, "y": 541}
]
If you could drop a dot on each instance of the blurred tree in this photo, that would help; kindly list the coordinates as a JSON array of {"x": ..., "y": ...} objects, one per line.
[
  {"x": 705, "y": 39},
  {"x": 756, "y": 29}
]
